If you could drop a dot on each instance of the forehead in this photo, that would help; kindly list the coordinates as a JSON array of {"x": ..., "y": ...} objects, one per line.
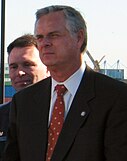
[
  {"x": 23, "y": 53},
  {"x": 54, "y": 20}
]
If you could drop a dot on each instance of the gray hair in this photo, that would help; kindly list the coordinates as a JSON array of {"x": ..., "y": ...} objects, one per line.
[{"x": 75, "y": 21}]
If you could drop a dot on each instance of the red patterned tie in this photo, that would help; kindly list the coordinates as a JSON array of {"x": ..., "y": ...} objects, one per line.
[{"x": 57, "y": 120}]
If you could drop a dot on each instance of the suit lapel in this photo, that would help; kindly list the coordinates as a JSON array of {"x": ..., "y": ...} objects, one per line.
[{"x": 76, "y": 117}]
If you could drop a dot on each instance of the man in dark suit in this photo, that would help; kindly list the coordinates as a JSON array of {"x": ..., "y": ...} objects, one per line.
[
  {"x": 95, "y": 117},
  {"x": 25, "y": 68},
  {"x": 4, "y": 119}
]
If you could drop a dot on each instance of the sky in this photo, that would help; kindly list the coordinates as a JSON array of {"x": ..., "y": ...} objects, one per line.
[{"x": 106, "y": 25}]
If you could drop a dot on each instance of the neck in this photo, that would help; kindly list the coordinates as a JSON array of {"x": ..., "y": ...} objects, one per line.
[{"x": 62, "y": 75}]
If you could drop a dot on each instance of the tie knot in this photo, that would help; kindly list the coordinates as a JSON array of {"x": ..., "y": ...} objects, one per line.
[{"x": 60, "y": 89}]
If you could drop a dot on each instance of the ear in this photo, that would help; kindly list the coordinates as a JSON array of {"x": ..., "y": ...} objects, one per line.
[{"x": 80, "y": 38}]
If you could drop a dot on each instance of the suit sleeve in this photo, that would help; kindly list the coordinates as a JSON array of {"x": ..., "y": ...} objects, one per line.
[{"x": 116, "y": 130}]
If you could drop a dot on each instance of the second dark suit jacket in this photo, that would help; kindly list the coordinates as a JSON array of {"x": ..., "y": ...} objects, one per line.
[
  {"x": 4, "y": 120},
  {"x": 95, "y": 128}
]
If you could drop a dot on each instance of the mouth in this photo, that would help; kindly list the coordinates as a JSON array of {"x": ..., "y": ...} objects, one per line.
[
  {"x": 47, "y": 56},
  {"x": 47, "y": 53},
  {"x": 23, "y": 82}
]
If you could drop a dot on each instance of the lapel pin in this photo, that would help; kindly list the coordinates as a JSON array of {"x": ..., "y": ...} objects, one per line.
[
  {"x": 1, "y": 133},
  {"x": 83, "y": 113}
]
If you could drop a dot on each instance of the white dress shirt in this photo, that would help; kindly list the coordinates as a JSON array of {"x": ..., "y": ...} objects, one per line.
[{"x": 72, "y": 84}]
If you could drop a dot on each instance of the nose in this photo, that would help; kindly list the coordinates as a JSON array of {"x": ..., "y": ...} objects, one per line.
[
  {"x": 44, "y": 42},
  {"x": 21, "y": 73}
]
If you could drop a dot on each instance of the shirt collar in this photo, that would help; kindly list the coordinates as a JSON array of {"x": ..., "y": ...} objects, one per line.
[{"x": 73, "y": 81}]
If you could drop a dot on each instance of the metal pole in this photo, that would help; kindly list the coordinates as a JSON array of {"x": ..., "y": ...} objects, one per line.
[{"x": 2, "y": 51}]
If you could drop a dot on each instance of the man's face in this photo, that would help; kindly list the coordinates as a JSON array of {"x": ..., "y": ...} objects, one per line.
[
  {"x": 25, "y": 67},
  {"x": 57, "y": 47}
]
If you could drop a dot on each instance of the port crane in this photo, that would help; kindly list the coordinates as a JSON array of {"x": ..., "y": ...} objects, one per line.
[{"x": 95, "y": 62}]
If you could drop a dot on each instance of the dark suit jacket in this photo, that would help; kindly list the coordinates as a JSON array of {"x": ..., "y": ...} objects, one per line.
[
  {"x": 95, "y": 128},
  {"x": 4, "y": 119}
]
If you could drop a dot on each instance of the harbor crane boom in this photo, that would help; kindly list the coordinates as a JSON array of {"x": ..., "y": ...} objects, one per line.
[{"x": 95, "y": 62}]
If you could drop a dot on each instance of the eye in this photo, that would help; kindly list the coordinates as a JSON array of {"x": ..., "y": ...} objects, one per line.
[
  {"x": 13, "y": 66},
  {"x": 27, "y": 64},
  {"x": 39, "y": 37},
  {"x": 53, "y": 35}
]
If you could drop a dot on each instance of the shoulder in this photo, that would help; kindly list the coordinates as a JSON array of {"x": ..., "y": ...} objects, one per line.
[
  {"x": 102, "y": 81},
  {"x": 4, "y": 118},
  {"x": 4, "y": 111},
  {"x": 106, "y": 80},
  {"x": 5, "y": 107},
  {"x": 34, "y": 89}
]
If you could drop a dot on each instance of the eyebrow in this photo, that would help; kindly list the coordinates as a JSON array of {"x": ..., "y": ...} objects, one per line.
[
  {"x": 40, "y": 35},
  {"x": 12, "y": 64}
]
